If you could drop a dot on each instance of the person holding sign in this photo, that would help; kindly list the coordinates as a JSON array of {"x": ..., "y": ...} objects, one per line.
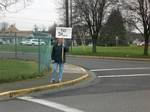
[{"x": 58, "y": 57}]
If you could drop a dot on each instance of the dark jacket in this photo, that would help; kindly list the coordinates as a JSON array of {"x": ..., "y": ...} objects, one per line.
[{"x": 57, "y": 53}]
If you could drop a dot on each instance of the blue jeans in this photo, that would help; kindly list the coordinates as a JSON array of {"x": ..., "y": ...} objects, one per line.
[{"x": 55, "y": 67}]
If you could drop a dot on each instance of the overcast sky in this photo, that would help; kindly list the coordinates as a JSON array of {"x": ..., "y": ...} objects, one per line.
[{"x": 43, "y": 13}]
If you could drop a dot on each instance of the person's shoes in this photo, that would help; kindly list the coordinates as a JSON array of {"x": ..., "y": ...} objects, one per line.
[
  {"x": 59, "y": 81},
  {"x": 53, "y": 81}
]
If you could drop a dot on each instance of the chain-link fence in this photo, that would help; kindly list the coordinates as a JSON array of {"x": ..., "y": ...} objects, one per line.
[{"x": 36, "y": 47}]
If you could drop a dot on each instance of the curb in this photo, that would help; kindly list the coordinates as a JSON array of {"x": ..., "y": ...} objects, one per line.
[
  {"x": 15, "y": 93},
  {"x": 111, "y": 58}
]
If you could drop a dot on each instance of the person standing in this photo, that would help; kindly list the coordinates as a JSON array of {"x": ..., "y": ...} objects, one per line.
[{"x": 58, "y": 58}]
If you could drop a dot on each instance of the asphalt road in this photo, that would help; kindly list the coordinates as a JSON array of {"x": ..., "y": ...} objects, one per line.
[{"x": 120, "y": 86}]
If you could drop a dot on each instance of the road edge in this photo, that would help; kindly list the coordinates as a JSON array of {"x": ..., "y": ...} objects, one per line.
[
  {"x": 111, "y": 58},
  {"x": 19, "y": 92}
]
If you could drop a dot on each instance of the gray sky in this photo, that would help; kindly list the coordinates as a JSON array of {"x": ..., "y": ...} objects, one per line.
[{"x": 43, "y": 13}]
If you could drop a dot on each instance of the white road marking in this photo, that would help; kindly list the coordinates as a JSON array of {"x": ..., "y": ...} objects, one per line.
[
  {"x": 111, "y": 69},
  {"x": 51, "y": 104},
  {"x": 83, "y": 69},
  {"x": 131, "y": 75}
]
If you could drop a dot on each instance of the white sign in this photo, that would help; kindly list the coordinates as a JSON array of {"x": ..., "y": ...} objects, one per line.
[{"x": 63, "y": 32}]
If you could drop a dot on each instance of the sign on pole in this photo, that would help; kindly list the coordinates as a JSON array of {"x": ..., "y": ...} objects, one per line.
[{"x": 63, "y": 32}]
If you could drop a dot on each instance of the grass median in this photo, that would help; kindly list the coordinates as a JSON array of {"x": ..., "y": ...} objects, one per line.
[
  {"x": 14, "y": 70},
  {"x": 127, "y": 51}
]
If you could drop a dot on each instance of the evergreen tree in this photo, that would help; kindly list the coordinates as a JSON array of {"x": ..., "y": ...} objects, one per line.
[{"x": 114, "y": 31}]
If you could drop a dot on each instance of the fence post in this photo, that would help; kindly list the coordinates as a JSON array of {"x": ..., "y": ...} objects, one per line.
[
  {"x": 15, "y": 45},
  {"x": 39, "y": 52}
]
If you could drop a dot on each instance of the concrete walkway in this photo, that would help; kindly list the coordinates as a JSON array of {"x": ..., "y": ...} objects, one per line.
[{"x": 72, "y": 74}]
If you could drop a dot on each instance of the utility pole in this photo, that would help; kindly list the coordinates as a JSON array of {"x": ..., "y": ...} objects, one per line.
[
  {"x": 71, "y": 13},
  {"x": 67, "y": 12}
]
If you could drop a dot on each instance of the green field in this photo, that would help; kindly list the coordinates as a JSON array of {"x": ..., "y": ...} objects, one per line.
[
  {"x": 14, "y": 70},
  {"x": 129, "y": 51}
]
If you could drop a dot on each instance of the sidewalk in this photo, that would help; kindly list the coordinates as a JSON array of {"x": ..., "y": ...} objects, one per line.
[{"x": 72, "y": 74}]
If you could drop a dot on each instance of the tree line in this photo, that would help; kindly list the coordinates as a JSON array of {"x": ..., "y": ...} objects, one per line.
[{"x": 105, "y": 21}]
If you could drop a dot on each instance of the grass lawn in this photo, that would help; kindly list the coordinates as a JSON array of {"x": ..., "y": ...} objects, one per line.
[
  {"x": 14, "y": 70},
  {"x": 129, "y": 51}
]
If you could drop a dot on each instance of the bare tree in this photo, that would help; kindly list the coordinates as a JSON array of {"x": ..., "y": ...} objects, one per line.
[
  {"x": 139, "y": 16},
  {"x": 52, "y": 30},
  {"x": 80, "y": 32},
  {"x": 61, "y": 8},
  {"x": 92, "y": 13},
  {"x": 6, "y": 4}
]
